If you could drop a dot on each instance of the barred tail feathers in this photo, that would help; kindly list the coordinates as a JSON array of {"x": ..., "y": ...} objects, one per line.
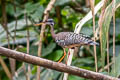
[{"x": 93, "y": 43}]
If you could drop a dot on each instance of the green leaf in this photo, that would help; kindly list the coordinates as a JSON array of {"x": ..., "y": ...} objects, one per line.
[
  {"x": 88, "y": 60},
  {"x": 58, "y": 55},
  {"x": 21, "y": 74},
  {"x": 87, "y": 30},
  {"x": 43, "y": 1},
  {"x": 65, "y": 12},
  {"x": 117, "y": 50},
  {"x": 33, "y": 50},
  {"x": 30, "y": 7},
  {"x": 117, "y": 28},
  {"x": 117, "y": 67},
  {"x": 10, "y": 9},
  {"x": 38, "y": 13},
  {"x": 61, "y": 2},
  {"x": 46, "y": 74},
  {"x": 20, "y": 25},
  {"x": 23, "y": 49},
  {"x": 105, "y": 28},
  {"x": 20, "y": 33},
  {"x": 46, "y": 51},
  {"x": 72, "y": 77},
  {"x": 85, "y": 63}
]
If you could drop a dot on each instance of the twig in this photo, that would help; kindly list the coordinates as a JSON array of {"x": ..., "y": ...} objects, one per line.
[
  {"x": 24, "y": 69},
  {"x": 106, "y": 67},
  {"x": 28, "y": 45},
  {"x": 77, "y": 7},
  {"x": 54, "y": 65},
  {"x": 87, "y": 3},
  {"x": 113, "y": 12},
  {"x": 100, "y": 22},
  {"x": 4, "y": 23},
  {"x": 95, "y": 55},
  {"x": 88, "y": 49},
  {"x": 14, "y": 37},
  {"x": 88, "y": 17},
  {"x": 5, "y": 68},
  {"x": 108, "y": 61},
  {"x": 4, "y": 20},
  {"x": 46, "y": 14},
  {"x": 58, "y": 14}
]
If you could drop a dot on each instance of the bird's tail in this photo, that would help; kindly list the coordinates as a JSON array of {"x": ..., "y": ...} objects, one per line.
[{"x": 94, "y": 43}]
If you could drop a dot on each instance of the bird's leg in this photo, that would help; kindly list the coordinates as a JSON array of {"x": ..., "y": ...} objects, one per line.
[{"x": 62, "y": 56}]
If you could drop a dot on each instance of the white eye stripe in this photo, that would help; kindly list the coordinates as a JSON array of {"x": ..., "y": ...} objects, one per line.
[
  {"x": 50, "y": 20},
  {"x": 52, "y": 23}
]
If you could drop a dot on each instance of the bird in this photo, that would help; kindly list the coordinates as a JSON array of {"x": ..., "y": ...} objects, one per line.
[{"x": 68, "y": 40}]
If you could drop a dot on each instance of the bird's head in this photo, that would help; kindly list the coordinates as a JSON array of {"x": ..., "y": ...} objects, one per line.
[{"x": 47, "y": 22}]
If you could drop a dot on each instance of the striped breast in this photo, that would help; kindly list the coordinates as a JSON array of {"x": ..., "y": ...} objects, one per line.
[{"x": 70, "y": 39}]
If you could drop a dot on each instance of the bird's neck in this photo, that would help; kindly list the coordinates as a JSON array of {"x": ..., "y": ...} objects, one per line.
[{"x": 52, "y": 31}]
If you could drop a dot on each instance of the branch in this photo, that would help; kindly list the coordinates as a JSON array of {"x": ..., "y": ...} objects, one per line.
[
  {"x": 5, "y": 68},
  {"x": 54, "y": 65},
  {"x": 46, "y": 15},
  {"x": 5, "y": 27}
]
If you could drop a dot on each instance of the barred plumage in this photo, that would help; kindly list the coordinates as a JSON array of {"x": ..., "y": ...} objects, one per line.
[{"x": 68, "y": 39}]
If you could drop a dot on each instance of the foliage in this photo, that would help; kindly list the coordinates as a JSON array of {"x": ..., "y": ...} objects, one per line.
[
  {"x": 105, "y": 27},
  {"x": 70, "y": 12}
]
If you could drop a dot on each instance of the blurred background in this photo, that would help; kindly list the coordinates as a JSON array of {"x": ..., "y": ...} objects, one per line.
[{"x": 17, "y": 18}]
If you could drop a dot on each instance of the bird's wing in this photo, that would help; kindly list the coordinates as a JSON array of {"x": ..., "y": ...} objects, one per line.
[
  {"x": 77, "y": 39},
  {"x": 60, "y": 38},
  {"x": 71, "y": 39}
]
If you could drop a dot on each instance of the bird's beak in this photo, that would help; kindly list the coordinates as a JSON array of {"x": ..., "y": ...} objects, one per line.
[{"x": 39, "y": 24}]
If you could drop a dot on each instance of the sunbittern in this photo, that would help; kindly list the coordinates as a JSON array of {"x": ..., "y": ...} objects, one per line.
[{"x": 68, "y": 39}]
